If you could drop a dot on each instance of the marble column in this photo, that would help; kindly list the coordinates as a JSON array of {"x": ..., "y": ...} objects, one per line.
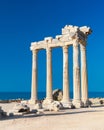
[
  {"x": 66, "y": 96},
  {"x": 76, "y": 76},
  {"x": 84, "y": 80},
  {"x": 49, "y": 76},
  {"x": 34, "y": 78}
]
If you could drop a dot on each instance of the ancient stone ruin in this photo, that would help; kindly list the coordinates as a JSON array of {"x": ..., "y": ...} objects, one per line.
[{"x": 71, "y": 36}]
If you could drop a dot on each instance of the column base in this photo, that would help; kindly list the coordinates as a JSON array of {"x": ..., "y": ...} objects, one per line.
[
  {"x": 77, "y": 103},
  {"x": 32, "y": 101},
  {"x": 85, "y": 103},
  {"x": 46, "y": 103},
  {"x": 67, "y": 104}
]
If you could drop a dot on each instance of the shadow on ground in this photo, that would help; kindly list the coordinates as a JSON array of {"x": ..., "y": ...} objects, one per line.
[{"x": 60, "y": 113}]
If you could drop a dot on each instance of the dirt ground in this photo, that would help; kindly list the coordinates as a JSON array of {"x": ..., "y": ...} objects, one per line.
[{"x": 70, "y": 119}]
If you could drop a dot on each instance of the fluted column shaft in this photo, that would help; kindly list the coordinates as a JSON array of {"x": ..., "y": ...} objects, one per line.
[
  {"x": 84, "y": 80},
  {"x": 65, "y": 75},
  {"x": 34, "y": 76},
  {"x": 76, "y": 74},
  {"x": 49, "y": 75}
]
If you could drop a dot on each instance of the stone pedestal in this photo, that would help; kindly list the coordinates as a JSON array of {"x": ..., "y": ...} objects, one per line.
[
  {"x": 84, "y": 81},
  {"x": 34, "y": 79},
  {"x": 76, "y": 77},
  {"x": 66, "y": 97}
]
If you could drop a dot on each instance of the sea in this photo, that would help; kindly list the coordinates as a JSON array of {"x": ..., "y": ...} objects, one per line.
[{"x": 41, "y": 95}]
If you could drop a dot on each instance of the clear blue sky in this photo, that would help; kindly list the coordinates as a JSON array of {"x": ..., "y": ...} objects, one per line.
[{"x": 24, "y": 21}]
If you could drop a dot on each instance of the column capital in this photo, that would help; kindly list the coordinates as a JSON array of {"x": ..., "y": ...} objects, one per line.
[
  {"x": 75, "y": 44},
  {"x": 34, "y": 52},
  {"x": 82, "y": 47},
  {"x": 49, "y": 49},
  {"x": 65, "y": 49}
]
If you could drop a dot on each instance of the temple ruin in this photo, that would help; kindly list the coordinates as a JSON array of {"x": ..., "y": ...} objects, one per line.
[{"x": 71, "y": 36}]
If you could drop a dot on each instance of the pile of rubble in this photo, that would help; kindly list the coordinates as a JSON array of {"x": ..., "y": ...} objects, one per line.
[
  {"x": 38, "y": 108},
  {"x": 52, "y": 106},
  {"x": 19, "y": 109}
]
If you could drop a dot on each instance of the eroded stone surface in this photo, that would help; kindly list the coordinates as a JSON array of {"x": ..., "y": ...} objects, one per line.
[
  {"x": 20, "y": 107},
  {"x": 57, "y": 95}
]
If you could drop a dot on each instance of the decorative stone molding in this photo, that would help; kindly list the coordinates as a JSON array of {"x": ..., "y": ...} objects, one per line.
[{"x": 48, "y": 39}]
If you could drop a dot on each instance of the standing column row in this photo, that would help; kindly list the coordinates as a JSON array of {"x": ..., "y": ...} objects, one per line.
[
  {"x": 34, "y": 77},
  {"x": 76, "y": 77},
  {"x": 80, "y": 92}
]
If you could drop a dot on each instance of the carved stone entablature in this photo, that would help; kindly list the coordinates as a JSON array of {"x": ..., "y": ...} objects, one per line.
[
  {"x": 69, "y": 29},
  {"x": 75, "y": 32},
  {"x": 58, "y": 37},
  {"x": 48, "y": 39},
  {"x": 86, "y": 30},
  {"x": 70, "y": 34},
  {"x": 33, "y": 43},
  {"x": 83, "y": 33}
]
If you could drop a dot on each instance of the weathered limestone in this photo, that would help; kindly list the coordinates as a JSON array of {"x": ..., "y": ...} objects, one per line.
[
  {"x": 20, "y": 107},
  {"x": 49, "y": 76},
  {"x": 71, "y": 35},
  {"x": 84, "y": 82},
  {"x": 34, "y": 78},
  {"x": 66, "y": 97},
  {"x": 76, "y": 76},
  {"x": 57, "y": 94}
]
